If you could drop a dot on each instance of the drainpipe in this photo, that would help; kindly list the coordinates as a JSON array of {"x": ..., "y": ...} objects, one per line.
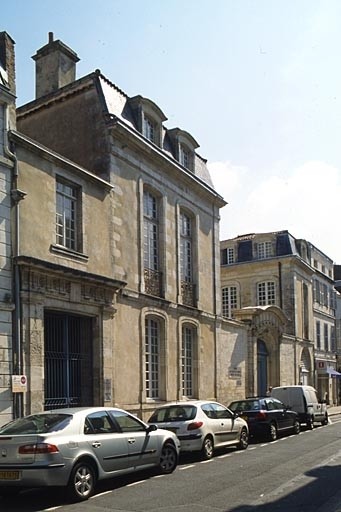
[{"x": 16, "y": 196}]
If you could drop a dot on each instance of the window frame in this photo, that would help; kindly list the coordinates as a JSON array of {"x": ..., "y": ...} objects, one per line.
[
  {"x": 269, "y": 291},
  {"x": 229, "y": 300},
  {"x": 68, "y": 199}
]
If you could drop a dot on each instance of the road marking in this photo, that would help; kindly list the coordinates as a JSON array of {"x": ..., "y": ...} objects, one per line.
[
  {"x": 136, "y": 483},
  {"x": 224, "y": 456},
  {"x": 206, "y": 461},
  {"x": 100, "y": 494},
  {"x": 187, "y": 467}
]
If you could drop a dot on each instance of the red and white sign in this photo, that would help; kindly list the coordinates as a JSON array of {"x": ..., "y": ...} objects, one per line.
[{"x": 19, "y": 383}]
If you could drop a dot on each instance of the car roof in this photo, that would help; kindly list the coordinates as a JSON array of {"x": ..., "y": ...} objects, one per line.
[
  {"x": 183, "y": 403},
  {"x": 78, "y": 410}
]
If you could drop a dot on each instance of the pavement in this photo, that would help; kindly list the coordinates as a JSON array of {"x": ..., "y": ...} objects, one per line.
[{"x": 333, "y": 410}]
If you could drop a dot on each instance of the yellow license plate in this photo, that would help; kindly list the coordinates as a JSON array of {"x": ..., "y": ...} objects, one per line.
[{"x": 9, "y": 475}]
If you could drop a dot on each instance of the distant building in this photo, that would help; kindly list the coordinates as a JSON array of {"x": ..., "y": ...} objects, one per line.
[{"x": 282, "y": 288}]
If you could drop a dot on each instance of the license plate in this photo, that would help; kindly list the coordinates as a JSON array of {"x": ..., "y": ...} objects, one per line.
[{"x": 9, "y": 475}]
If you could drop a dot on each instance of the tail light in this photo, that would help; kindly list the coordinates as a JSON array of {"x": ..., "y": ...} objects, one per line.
[
  {"x": 32, "y": 449},
  {"x": 194, "y": 425},
  {"x": 261, "y": 415}
]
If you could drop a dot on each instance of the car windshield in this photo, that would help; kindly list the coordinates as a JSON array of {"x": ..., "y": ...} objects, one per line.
[
  {"x": 173, "y": 413},
  {"x": 245, "y": 405},
  {"x": 37, "y": 424}
]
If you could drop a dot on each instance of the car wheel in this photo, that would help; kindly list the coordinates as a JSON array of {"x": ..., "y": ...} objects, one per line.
[
  {"x": 243, "y": 440},
  {"x": 310, "y": 423},
  {"x": 325, "y": 420},
  {"x": 168, "y": 459},
  {"x": 297, "y": 427},
  {"x": 82, "y": 481},
  {"x": 207, "y": 448},
  {"x": 272, "y": 432}
]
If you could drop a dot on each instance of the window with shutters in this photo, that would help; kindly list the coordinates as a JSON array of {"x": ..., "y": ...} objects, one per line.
[
  {"x": 326, "y": 338},
  {"x": 227, "y": 256},
  {"x": 318, "y": 334}
]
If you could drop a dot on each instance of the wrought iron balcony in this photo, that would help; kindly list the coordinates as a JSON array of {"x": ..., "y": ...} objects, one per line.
[
  {"x": 188, "y": 293},
  {"x": 153, "y": 282}
]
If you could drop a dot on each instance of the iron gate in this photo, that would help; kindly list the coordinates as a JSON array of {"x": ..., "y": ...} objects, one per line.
[{"x": 68, "y": 361}]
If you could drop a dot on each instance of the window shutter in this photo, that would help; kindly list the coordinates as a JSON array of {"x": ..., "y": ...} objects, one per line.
[{"x": 245, "y": 251}]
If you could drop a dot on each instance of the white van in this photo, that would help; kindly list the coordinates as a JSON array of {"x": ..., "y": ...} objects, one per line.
[{"x": 303, "y": 400}]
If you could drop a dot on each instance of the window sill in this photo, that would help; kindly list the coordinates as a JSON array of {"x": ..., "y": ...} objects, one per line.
[{"x": 64, "y": 251}]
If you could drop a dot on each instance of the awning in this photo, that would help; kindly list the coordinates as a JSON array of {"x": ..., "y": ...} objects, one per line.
[{"x": 333, "y": 373}]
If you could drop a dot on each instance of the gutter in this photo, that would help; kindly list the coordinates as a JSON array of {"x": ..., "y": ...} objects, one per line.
[{"x": 16, "y": 196}]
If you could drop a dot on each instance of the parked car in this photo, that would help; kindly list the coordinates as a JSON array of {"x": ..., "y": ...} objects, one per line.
[
  {"x": 202, "y": 426},
  {"x": 266, "y": 417},
  {"x": 303, "y": 400},
  {"x": 75, "y": 448}
]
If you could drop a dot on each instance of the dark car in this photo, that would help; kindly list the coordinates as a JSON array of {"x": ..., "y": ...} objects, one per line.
[{"x": 266, "y": 417}]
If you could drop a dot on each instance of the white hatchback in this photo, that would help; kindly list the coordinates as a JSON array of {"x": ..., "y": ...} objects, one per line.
[{"x": 202, "y": 425}]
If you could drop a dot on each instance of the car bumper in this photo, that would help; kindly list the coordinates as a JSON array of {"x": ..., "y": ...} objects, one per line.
[
  {"x": 190, "y": 443},
  {"x": 18, "y": 476}
]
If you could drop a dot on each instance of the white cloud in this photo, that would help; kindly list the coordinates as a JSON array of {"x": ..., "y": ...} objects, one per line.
[{"x": 305, "y": 202}]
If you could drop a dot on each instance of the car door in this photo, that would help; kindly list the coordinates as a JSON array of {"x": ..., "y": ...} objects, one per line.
[
  {"x": 143, "y": 445},
  {"x": 278, "y": 409},
  {"x": 220, "y": 421},
  {"x": 106, "y": 443}
]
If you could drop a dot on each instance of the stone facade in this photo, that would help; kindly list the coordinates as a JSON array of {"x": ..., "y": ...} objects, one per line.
[
  {"x": 154, "y": 238},
  {"x": 269, "y": 282},
  {"x": 7, "y": 166}
]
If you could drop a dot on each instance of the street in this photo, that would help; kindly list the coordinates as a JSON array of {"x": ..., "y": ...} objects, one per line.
[{"x": 297, "y": 473}]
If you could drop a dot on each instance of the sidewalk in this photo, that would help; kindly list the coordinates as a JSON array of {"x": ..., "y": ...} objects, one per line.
[{"x": 333, "y": 410}]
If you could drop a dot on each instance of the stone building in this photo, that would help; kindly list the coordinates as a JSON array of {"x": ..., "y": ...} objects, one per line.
[
  {"x": 140, "y": 294},
  {"x": 282, "y": 288},
  {"x": 8, "y": 339}
]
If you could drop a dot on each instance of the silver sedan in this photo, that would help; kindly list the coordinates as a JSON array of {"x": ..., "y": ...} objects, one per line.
[
  {"x": 202, "y": 425},
  {"x": 76, "y": 447}
]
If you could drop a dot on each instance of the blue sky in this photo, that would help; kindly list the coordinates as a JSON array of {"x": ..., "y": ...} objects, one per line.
[{"x": 256, "y": 82}]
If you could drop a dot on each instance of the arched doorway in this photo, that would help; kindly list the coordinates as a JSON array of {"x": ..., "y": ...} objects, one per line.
[
  {"x": 305, "y": 367},
  {"x": 262, "y": 368}
]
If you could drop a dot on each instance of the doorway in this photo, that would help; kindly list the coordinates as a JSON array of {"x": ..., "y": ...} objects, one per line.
[
  {"x": 262, "y": 368},
  {"x": 68, "y": 360}
]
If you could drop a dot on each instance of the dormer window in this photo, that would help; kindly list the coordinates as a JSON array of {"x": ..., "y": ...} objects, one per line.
[
  {"x": 185, "y": 156},
  {"x": 149, "y": 118},
  {"x": 184, "y": 147},
  {"x": 149, "y": 129}
]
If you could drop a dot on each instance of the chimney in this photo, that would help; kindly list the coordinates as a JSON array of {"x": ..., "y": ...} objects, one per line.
[
  {"x": 7, "y": 62},
  {"x": 55, "y": 66}
]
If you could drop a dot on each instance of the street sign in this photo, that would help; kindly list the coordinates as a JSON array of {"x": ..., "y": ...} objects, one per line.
[{"x": 19, "y": 383}]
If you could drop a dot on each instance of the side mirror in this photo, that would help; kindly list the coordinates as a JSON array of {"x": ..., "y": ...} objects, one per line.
[{"x": 151, "y": 428}]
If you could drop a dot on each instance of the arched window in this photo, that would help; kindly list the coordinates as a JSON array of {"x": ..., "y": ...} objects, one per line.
[
  {"x": 151, "y": 244},
  {"x": 152, "y": 357},
  {"x": 188, "y": 357}
]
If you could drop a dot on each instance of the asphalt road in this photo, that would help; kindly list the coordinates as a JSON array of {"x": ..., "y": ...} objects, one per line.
[{"x": 294, "y": 474}]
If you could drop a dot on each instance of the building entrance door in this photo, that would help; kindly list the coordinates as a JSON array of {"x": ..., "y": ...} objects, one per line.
[{"x": 68, "y": 360}]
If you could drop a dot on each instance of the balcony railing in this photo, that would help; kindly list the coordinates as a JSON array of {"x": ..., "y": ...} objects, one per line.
[
  {"x": 153, "y": 282},
  {"x": 188, "y": 293}
]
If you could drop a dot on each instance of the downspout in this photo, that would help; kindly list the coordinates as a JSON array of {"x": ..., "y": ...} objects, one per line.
[
  {"x": 215, "y": 303},
  {"x": 16, "y": 197}
]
